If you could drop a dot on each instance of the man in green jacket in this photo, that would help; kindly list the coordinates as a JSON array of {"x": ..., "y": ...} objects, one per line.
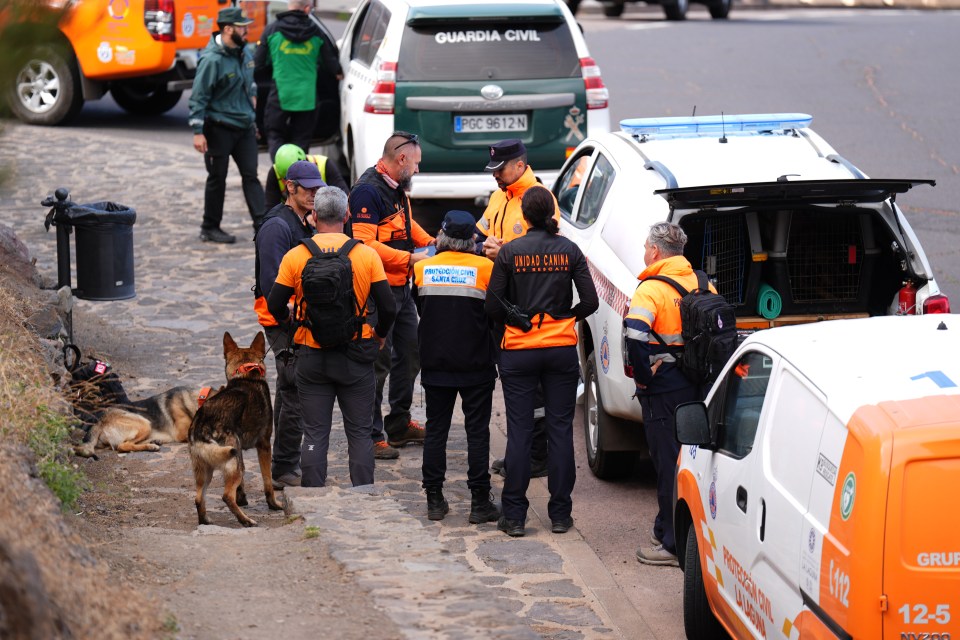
[
  {"x": 301, "y": 63},
  {"x": 223, "y": 118}
]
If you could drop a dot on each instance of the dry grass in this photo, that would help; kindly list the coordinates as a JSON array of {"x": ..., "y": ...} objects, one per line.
[{"x": 34, "y": 413}]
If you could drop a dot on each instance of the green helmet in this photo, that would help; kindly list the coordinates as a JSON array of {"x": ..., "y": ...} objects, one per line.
[{"x": 286, "y": 156}]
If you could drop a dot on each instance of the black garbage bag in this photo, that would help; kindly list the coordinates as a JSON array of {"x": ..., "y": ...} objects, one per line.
[{"x": 94, "y": 214}]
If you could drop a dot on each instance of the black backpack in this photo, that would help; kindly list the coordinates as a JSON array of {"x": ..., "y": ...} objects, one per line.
[
  {"x": 332, "y": 313},
  {"x": 708, "y": 328}
]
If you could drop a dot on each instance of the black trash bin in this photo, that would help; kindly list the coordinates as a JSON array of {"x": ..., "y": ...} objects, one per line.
[{"x": 104, "y": 249}]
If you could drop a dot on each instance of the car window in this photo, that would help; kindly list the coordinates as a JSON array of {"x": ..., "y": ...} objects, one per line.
[
  {"x": 595, "y": 191},
  {"x": 477, "y": 51},
  {"x": 742, "y": 401},
  {"x": 367, "y": 39},
  {"x": 569, "y": 183}
]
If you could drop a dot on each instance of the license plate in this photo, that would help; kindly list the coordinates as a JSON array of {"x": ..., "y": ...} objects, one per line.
[{"x": 480, "y": 124}]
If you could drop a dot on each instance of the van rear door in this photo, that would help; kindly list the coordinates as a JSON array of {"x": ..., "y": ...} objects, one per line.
[
  {"x": 921, "y": 559},
  {"x": 506, "y": 71}
]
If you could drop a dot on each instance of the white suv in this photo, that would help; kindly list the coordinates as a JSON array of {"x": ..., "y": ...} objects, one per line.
[
  {"x": 462, "y": 75},
  {"x": 788, "y": 231}
]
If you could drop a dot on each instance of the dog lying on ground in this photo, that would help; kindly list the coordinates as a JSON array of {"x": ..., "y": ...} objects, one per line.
[
  {"x": 239, "y": 417},
  {"x": 143, "y": 425}
]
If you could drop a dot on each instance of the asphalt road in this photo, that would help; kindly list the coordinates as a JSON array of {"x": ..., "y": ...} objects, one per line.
[{"x": 882, "y": 87}]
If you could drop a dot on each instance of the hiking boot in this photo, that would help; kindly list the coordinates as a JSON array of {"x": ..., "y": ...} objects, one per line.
[
  {"x": 654, "y": 540},
  {"x": 217, "y": 235},
  {"x": 437, "y": 507},
  {"x": 537, "y": 469},
  {"x": 561, "y": 526},
  {"x": 482, "y": 507},
  {"x": 512, "y": 528},
  {"x": 383, "y": 451},
  {"x": 288, "y": 479},
  {"x": 657, "y": 556},
  {"x": 414, "y": 434}
]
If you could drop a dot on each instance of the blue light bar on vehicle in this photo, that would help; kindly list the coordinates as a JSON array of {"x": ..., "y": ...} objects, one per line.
[{"x": 715, "y": 124}]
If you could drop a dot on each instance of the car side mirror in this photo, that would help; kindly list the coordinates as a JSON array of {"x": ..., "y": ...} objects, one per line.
[{"x": 692, "y": 424}]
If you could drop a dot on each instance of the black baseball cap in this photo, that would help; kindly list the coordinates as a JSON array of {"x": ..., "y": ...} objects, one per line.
[
  {"x": 306, "y": 174},
  {"x": 459, "y": 224},
  {"x": 503, "y": 151}
]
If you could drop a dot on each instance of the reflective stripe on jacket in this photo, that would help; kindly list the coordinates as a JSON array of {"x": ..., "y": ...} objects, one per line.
[
  {"x": 502, "y": 217},
  {"x": 456, "y": 343},
  {"x": 656, "y": 305}
]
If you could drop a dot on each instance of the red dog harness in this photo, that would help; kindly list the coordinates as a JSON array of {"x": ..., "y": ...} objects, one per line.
[{"x": 250, "y": 367}]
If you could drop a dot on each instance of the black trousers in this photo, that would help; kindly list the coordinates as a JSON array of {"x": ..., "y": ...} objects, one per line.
[
  {"x": 557, "y": 372},
  {"x": 222, "y": 144},
  {"x": 287, "y": 413},
  {"x": 476, "y": 402},
  {"x": 288, "y": 126},
  {"x": 400, "y": 360},
  {"x": 659, "y": 426}
]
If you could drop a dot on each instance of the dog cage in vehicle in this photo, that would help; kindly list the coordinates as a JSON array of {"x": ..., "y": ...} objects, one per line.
[{"x": 824, "y": 261}]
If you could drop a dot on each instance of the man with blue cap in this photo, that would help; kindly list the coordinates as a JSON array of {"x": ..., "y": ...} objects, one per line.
[{"x": 456, "y": 357}]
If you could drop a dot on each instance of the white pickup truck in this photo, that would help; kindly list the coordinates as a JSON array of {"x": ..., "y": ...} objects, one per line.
[{"x": 788, "y": 231}]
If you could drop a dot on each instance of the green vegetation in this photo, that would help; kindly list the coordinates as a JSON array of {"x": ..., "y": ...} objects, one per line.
[
  {"x": 311, "y": 532},
  {"x": 34, "y": 414}
]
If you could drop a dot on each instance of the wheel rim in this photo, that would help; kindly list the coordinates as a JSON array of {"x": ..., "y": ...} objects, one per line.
[
  {"x": 593, "y": 427},
  {"x": 38, "y": 86}
]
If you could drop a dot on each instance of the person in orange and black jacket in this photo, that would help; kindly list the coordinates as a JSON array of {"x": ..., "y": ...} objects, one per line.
[
  {"x": 344, "y": 373},
  {"x": 285, "y": 225},
  {"x": 456, "y": 351},
  {"x": 661, "y": 385},
  {"x": 537, "y": 273},
  {"x": 501, "y": 222},
  {"x": 383, "y": 220}
]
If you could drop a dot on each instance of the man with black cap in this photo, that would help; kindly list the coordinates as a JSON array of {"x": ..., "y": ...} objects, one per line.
[
  {"x": 502, "y": 221},
  {"x": 223, "y": 118},
  {"x": 456, "y": 357},
  {"x": 284, "y": 227}
]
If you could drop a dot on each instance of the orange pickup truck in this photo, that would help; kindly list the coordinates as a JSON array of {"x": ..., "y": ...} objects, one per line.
[{"x": 144, "y": 52}]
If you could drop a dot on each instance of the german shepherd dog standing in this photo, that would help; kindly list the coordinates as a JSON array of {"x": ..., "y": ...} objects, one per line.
[{"x": 239, "y": 417}]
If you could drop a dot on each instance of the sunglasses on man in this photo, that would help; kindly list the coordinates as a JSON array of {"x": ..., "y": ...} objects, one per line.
[{"x": 410, "y": 139}]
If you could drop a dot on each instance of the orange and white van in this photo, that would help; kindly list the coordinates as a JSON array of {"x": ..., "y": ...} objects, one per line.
[
  {"x": 144, "y": 52},
  {"x": 816, "y": 491}
]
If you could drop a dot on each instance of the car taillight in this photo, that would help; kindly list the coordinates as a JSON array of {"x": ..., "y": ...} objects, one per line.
[
  {"x": 597, "y": 94},
  {"x": 159, "y": 17},
  {"x": 381, "y": 99},
  {"x": 936, "y": 304}
]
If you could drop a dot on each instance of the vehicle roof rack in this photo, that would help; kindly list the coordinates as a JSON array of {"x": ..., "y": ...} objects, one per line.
[{"x": 696, "y": 125}]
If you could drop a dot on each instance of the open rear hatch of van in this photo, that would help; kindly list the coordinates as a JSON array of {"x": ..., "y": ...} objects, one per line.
[
  {"x": 921, "y": 559},
  {"x": 826, "y": 248},
  {"x": 472, "y": 76}
]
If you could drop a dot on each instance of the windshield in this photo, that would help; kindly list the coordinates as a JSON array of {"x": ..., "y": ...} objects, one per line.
[{"x": 455, "y": 51}]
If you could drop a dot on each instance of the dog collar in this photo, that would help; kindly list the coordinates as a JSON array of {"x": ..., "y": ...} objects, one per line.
[
  {"x": 251, "y": 366},
  {"x": 204, "y": 394}
]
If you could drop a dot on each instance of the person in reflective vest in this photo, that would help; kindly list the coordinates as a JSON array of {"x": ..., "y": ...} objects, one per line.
[
  {"x": 661, "y": 385},
  {"x": 456, "y": 358}
]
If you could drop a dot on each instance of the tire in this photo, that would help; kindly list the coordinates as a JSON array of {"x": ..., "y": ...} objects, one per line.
[
  {"x": 46, "y": 90},
  {"x": 144, "y": 99},
  {"x": 698, "y": 620},
  {"x": 573, "y": 5},
  {"x": 676, "y": 9},
  {"x": 604, "y": 464},
  {"x": 720, "y": 9},
  {"x": 613, "y": 9}
]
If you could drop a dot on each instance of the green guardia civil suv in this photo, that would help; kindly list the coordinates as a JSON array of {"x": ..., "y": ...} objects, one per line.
[{"x": 462, "y": 75}]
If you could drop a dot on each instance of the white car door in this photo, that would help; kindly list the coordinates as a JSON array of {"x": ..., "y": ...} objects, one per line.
[{"x": 730, "y": 491}]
